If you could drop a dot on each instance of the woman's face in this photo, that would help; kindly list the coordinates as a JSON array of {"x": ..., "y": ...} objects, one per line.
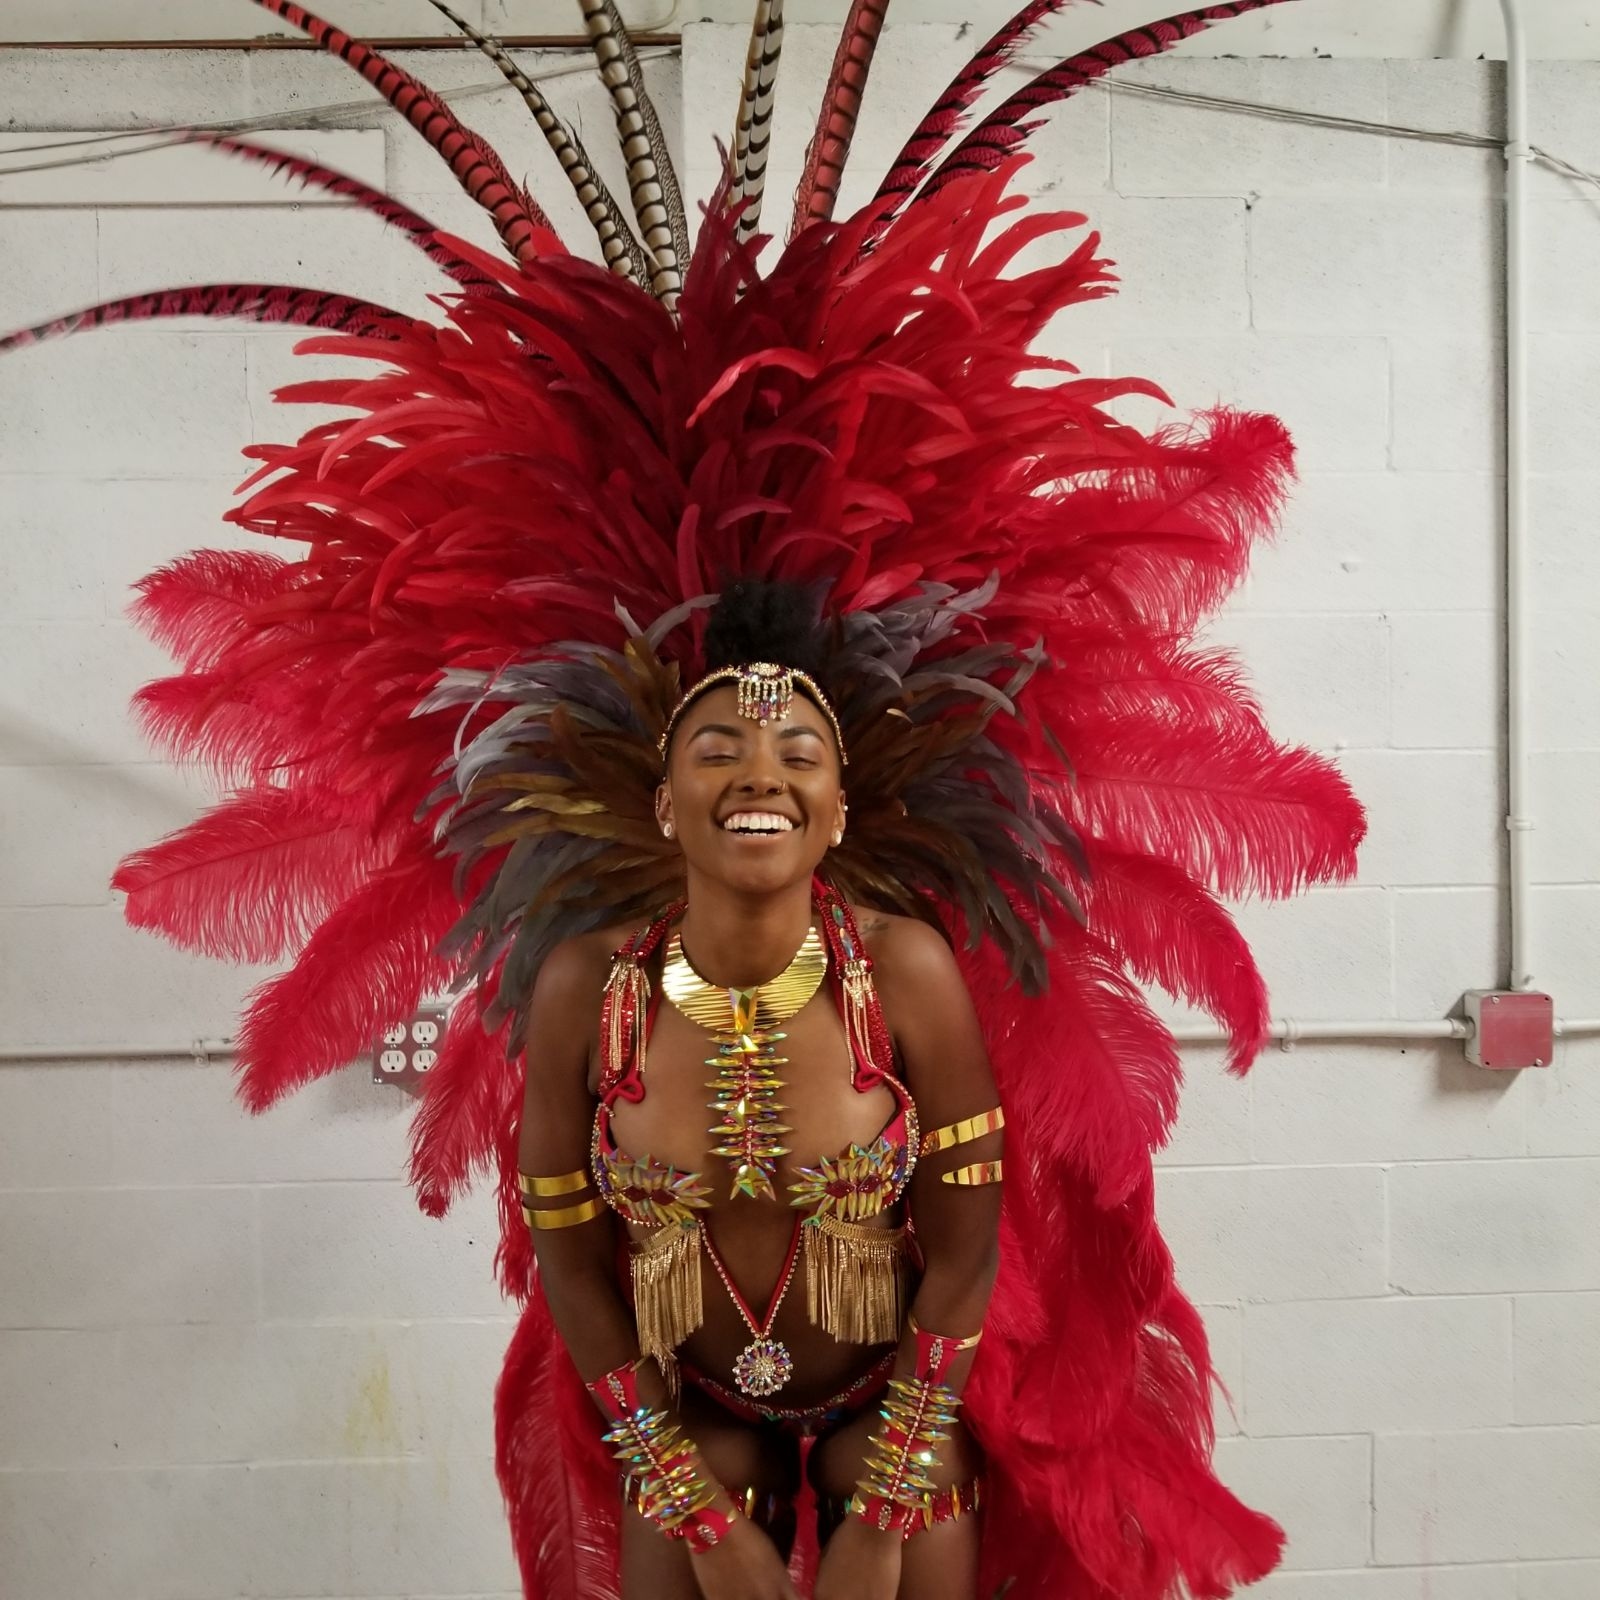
[{"x": 753, "y": 807}]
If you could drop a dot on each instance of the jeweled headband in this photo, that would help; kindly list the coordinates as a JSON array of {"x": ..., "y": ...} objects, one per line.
[{"x": 766, "y": 691}]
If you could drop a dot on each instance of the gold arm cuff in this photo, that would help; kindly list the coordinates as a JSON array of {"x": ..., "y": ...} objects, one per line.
[
  {"x": 980, "y": 1172},
  {"x": 958, "y": 1344},
  {"x": 567, "y": 1183},
  {"x": 566, "y": 1217},
  {"x": 963, "y": 1132}
]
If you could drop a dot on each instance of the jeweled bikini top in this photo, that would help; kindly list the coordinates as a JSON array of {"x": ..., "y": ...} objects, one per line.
[{"x": 857, "y": 1182}]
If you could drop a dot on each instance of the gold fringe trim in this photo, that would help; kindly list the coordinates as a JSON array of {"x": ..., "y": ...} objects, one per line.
[
  {"x": 856, "y": 1279},
  {"x": 626, "y": 982},
  {"x": 858, "y": 987},
  {"x": 667, "y": 1304}
]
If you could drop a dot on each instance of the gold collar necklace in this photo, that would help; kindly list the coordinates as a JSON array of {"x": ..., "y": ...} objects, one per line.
[{"x": 744, "y": 1023}]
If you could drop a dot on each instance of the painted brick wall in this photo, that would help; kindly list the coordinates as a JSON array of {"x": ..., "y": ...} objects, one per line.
[{"x": 233, "y": 1359}]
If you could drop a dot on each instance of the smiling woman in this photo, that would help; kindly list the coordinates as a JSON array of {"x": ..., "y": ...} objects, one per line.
[
  {"x": 832, "y": 1026},
  {"x": 755, "y": 756}
]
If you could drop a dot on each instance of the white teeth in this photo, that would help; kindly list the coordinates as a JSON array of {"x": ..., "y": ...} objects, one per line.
[{"x": 758, "y": 822}]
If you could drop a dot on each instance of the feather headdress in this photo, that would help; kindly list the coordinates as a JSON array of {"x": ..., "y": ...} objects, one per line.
[{"x": 447, "y": 699}]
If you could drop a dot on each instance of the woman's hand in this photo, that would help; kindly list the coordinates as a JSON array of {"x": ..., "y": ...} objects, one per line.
[
  {"x": 859, "y": 1563},
  {"x": 745, "y": 1565}
]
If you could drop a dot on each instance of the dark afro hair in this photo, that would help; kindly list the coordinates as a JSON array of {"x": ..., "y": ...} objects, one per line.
[{"x": 757, "y": 619}]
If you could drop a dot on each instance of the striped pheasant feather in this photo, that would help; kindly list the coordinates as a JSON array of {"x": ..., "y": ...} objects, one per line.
[
  {"x": 413, "y": 224},
  {"x": 752, "y": 133},
  {"x": 622, "y": 253},
  {"x": 944, "y": 119},
  {"x": 836, "y": 123},
  {"x": 517, "y": 218},
  {"x": 1009, "y": 125},
  {"x": 255, "y": 302},
  {"x": 652, "y": 183}
]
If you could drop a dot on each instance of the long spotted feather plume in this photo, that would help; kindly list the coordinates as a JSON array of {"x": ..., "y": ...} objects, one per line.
[
  {"x": 1005, "y": 130},
  {"x": 752, "y": 129},
  {"x": 620, "y": 250},
  {"x": 836, "y": 123},
  {"x": 477, "y": 167},
  {"x": 433, "y": 243},
  {"x": 943, "y": 121},
  {"x": 253, "y": 302},
  {"x": 652, "y": 181}
]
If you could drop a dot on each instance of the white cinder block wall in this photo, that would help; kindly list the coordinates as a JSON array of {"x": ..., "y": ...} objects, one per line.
[{"x": 233, "y": 1359}]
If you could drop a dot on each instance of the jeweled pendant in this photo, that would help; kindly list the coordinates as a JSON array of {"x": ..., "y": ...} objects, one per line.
[{"x": 763, "y": 1367}]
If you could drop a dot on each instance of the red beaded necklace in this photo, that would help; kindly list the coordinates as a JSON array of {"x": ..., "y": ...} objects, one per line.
[{"x": 764, "y": 1365}]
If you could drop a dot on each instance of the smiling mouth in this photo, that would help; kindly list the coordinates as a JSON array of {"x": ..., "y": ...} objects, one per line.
[{"x": 758, "y": 825}]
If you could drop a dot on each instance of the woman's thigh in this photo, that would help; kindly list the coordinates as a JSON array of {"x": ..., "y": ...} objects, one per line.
[
  {"x": 741, "y": 1457},
  {"x": 941, "y": 1562}
]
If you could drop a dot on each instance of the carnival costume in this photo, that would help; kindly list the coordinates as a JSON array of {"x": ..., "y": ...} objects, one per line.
[{"x": 443, "y": 720}]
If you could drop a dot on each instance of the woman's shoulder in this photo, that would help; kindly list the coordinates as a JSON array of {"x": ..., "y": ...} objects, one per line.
[
  {"x": 576, "y": 969},
  {"x": 905, "y": 951}
]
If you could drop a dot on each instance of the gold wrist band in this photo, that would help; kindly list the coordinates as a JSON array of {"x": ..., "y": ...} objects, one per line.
[
  {"x": 963, "y": 1132},
  {"x": 567, "y": 1183},
  {"x": 566, "y": 1217},
  {"x": 980, "y": 1172}
]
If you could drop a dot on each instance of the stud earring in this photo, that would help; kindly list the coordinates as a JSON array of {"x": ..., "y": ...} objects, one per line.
[
  {"x": 838, "y": 835},
  {"x": 666, "y": 830}
]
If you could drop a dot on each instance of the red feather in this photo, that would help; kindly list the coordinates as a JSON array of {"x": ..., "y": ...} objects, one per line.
[
  {"x": 422, "y": 233},
  {"x": 366, "y": 966},
  {"x": 256, "y": 302},
  {"x": 836, "y": 123},
  {"x": 227, "y": 729},
  {"x": 523, "y": 226},
  {"x": 198, "y": 605},
  {"x": 255, "y": 876},
  {"x": 1229, "y": 806},
  {"x": 454, "y": 1132},
  {"x": 557, "y": 1476},
  {"x": 1169, "y": 931},
  {"x": 948, "y": 112},
  {"x": 1111, "y": 1443},
  {"x": 1004, "y": 131}
]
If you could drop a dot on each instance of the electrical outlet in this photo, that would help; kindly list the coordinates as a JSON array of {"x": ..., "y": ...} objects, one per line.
[{"x": 408, "y": 1050}]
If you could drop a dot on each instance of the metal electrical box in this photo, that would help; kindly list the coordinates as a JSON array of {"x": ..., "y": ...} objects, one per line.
[{"x": 1511, "y": 1028}]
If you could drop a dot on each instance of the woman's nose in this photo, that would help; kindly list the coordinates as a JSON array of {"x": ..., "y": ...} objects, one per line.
[{"x": 762, "y": 776}]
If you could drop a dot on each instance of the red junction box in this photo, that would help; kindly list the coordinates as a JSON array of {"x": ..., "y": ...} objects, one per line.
[{"x": 1511, "y": 1028}]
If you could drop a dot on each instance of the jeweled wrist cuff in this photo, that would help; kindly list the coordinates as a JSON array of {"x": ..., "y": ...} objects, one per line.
[
  {"x": 896, "y": 1492},
  {"x": 663, "y": 1467}
]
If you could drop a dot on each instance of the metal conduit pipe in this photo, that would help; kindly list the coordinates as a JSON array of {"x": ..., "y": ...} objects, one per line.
[
  {"x": 1518, "y": 607},
  {"x": 1518, "y": 623},
  {"x": 1288, "y": 1032}
]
